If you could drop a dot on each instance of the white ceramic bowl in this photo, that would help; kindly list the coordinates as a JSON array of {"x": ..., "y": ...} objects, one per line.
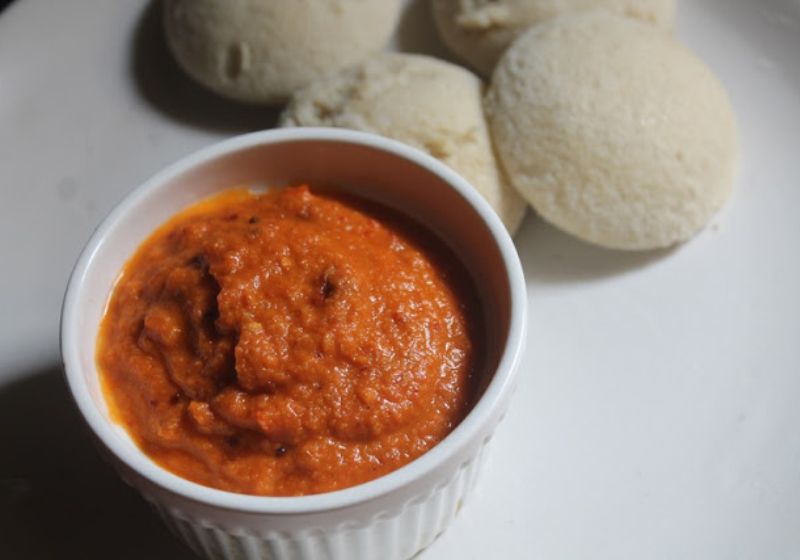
[{"x": 393, "y": 516}]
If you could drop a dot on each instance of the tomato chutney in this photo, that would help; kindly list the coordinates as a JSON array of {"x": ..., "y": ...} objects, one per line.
[{"x": 290, "y": 342}]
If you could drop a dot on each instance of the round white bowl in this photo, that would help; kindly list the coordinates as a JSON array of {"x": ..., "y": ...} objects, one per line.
[{"x": 394, "y": 516}]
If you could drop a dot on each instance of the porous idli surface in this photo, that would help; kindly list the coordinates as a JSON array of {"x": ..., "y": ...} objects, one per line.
[
  {"x": 419, "y": 100},
  {"x": 613, "y": 131},
  {"x": 478, "y": 31},
  {"x": 261, "y": 51}
]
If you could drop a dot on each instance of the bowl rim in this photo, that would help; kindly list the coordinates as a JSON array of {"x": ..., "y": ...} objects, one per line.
[{"x": 494, "y": 395}]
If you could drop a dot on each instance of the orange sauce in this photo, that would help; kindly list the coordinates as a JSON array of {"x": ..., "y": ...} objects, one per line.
[{"x": 289, "y": 343}]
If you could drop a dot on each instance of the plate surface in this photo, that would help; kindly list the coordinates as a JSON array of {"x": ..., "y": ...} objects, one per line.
[{"x": 657, "y": 414}]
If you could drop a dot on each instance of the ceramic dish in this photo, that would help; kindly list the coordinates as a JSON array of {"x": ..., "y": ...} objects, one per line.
[{"x": 393, "y": 516}]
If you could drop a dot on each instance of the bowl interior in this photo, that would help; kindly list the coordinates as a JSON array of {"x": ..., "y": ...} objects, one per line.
[{"x": 419, "y": 187}]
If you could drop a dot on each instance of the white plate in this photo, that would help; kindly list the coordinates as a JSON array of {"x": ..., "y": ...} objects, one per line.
[{"x": 658, "y": 416}]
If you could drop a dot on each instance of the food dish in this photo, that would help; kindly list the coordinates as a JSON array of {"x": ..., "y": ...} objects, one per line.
[
  {"x": 427, "y": 103},
  {"x": 260, "y": 51},
  {"x": 355, "y": 522},
  {"x": 613, "y": 131},
  {"x": 479, "y": 32}
]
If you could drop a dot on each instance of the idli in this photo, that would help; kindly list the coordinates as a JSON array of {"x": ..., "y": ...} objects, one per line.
[
  {"x": 613, "y": 131},
  {"x": 478, "y": 31},
  {"x": 421, "y": 101},
  {"x": 261, "y": 51}
]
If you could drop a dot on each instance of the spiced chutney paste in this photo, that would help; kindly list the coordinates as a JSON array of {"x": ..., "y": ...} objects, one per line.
[{"x": 289, "y": 343}]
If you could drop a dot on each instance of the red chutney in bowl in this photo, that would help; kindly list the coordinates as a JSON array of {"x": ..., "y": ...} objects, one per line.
[{"x": 289, "y": 343}]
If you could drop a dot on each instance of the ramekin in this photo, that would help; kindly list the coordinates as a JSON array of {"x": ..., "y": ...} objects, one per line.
[{"x": 392, "y": 517}]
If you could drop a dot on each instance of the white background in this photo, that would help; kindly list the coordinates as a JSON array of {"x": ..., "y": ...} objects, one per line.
[{"x": 658, "y": 414}]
